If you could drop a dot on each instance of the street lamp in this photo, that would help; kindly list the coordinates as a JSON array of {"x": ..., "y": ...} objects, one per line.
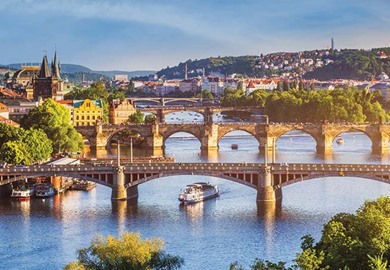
[
  {"x": 131, "y": 149},
  {"x": 119, "y": 153}
]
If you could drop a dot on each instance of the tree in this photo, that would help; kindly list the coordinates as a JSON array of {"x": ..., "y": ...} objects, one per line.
[
  {"x": 262, "y": 265},
  {"x": 54, "y": 120},
  {"x": 15, "y": 152},
  {"x": 137, "y": 118},
  {"x": 150, "y": 119},
  {"x": 20, "y": 146},
  {"x": 127, "y": 252},
  {"x": 360, "y": 241},
  {"x": 38, "y": 145},
  {"x": 8, "y": 133},
  {"x": 357, "y": 241}
]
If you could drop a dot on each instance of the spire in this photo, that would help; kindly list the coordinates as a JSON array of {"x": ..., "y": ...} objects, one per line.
[
  {"x": 55, "y": 67},
  {"x": 45, "y": 71}
]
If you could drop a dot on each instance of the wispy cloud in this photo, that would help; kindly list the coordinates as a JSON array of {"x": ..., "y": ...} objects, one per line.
[{"x": 123, "y": 32}]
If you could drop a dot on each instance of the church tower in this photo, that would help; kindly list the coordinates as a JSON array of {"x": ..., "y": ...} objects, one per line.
[{"x": 48, "y": 82}]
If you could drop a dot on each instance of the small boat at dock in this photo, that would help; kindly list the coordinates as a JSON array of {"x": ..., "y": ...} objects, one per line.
[
  {"x": 44, "y": 190},
  {"x": 82, "y": 185},
  {"x": 197, "y": 192}
]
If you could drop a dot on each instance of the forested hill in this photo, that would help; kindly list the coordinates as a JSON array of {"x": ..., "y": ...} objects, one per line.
[
  {"x": 354, "y": 64},
  {"x": 226, "y": 65},
  {"x": 316, "y": 64}
]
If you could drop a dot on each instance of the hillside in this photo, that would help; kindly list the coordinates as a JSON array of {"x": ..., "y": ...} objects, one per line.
[
  {"x": 75, "y": 73},
  {"x": 315, "y": 64}
]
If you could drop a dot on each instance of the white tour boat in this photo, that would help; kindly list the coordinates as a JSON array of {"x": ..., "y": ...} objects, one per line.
[
  {"x": 197, "y": 192},
  {"x": 44, "y": 190},
  {"x": 22, "y": 192}
]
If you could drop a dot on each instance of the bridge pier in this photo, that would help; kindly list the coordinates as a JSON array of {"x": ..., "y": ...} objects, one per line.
[
  {"x": 155, "y": 141},
  {"x": 160, "y": 116},
  {"x": 380, "y": 145},
  {"x": 266, "y": 192},
  {"x": 324, "y": 144},
  {"x": 209, "y": 140},
  {"x": 118, "y": 188}
]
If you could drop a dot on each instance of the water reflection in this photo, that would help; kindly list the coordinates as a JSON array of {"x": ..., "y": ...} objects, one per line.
[
  {"x": 192, "y": 211},
  {"x": 119, "y": 209}
]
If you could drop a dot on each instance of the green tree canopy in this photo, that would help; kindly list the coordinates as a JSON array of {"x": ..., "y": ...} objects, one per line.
[
  {"x": 359, "y": 241},
  {"x": 54, "y": 120},
  {"x": 20, "y": 146},
  {"x": 127, "y": 252},
  {"x": 137, "y": 118}
]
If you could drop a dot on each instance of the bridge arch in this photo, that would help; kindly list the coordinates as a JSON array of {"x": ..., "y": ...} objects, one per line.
[
  {"x": 172, "y": 132},
  {"x": 328, "y": 175},
  {"x": 290, "y": 134},
  {"x": 355, "y": 129},
  {"x": 121, "y": 132},
  {"x": 224, "y": 135},
  {"x": 224, "y": 132},
  {"x": 173, "y": 173}
]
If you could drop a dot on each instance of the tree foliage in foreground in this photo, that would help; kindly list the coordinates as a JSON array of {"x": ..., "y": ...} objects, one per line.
[
  {"x": 359, "y": 241},
  {"x": 128, "y": 252}
]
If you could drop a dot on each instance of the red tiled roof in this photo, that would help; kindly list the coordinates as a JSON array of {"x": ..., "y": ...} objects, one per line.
[{"x": 8, "y": 122}]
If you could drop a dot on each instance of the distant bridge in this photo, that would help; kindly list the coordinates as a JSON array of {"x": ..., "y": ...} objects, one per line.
[
  {"x": 164, "y": 100},
  {"x": 209, "y": 134},
  {"x": 267, "y": 179}
]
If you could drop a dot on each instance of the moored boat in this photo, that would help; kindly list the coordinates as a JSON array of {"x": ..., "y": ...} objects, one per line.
[
  {"x": 197, "y": 192},
  {"x": 22, "y": 192},
  {"x": 339, "y": 140},
  {"x": 83, "y": 185},
  {"x": 44, "y": 190}
]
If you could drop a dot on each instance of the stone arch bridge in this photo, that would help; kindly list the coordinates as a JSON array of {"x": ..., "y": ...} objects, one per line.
[
  {"x": 268, "y": 180},
  {"x": 206, "y": 111},
  {"x": 209, "y": 134}
]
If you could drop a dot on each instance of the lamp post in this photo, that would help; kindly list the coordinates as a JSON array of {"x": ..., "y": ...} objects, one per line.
[
  {"x": 119, "y": 153},
  {"x": 131, "y": 149}
]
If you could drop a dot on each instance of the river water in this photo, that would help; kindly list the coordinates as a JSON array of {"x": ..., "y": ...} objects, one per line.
[{"x": 45, "y": 234}]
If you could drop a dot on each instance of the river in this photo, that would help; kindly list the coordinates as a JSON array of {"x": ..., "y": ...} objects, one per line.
[{"x": 45, "y": 234}]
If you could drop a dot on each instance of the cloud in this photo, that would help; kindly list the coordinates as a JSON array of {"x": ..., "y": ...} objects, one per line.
[{"x": 101, "y": 32}]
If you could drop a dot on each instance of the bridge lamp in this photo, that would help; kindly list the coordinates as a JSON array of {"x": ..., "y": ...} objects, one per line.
[{"x": 131, "y": 149}]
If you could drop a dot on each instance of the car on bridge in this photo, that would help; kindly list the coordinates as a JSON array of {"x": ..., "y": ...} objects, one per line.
[{"x": 20, "y": 166}]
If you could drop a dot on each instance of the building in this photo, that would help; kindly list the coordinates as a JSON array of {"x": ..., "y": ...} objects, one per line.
[
  {"x": 18, "y": 108},
  {"x": 4, "y": 111},
  {"x": 214, "y": 84},
  {"x": 190, "y": 86},
  {"x": 121, "y": 78},
  {"x": 87, "y": 112},
  {"x": 22, "y": 79},
  {"x": 166, "y": 87},
  {"x": 48, "y": 82},
  {"x": 120, "y": 111}
]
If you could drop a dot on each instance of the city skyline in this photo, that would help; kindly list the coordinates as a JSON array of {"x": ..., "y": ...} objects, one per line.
[{"x": 144, "y": 35}]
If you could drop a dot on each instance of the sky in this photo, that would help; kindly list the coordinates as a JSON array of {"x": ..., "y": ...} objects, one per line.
[{"x": 134, "y": 35}]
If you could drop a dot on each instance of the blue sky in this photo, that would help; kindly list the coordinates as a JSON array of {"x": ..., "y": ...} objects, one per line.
[{"x": 154, "y": 34}]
